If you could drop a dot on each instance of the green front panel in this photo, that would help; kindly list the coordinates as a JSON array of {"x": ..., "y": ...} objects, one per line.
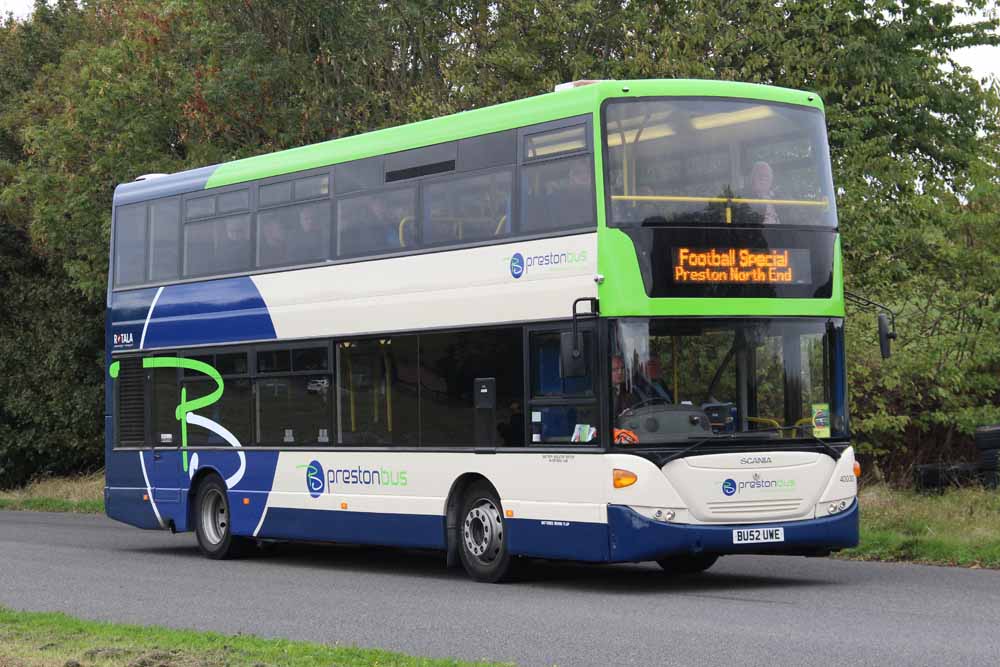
[{"x": 622, "y": 292}]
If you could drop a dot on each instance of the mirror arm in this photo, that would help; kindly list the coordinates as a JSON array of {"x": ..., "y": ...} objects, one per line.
[
  {"x": 864, "y": 302},
  {"x": 594, "y": 312}
]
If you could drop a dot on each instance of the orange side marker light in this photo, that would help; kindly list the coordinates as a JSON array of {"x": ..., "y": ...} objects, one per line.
[
  {"x": 622, "y": 478},
  {"x": 246, "y": 501},
  {"x": 509, "y": 513},
  {"x": 145, "y": 496},
  {"x": 343, "y": 506},
  {"x": 857, "y": 470}
]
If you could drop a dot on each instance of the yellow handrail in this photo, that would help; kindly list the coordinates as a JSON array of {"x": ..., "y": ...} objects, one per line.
[
  {"x": 402, "y": 225},
  {"x": 503, "y": 221},
  {"x": 773, "y": 423},
  {"x": 723, "y": 200}
]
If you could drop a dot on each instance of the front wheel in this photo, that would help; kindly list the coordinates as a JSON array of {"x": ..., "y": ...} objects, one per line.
[
  {"x": 687, "y": 564},
  {"x": 212, "y": 522},
  {"x": 482, "y": 542}
]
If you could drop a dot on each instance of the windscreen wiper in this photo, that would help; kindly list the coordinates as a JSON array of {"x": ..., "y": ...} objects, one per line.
[
  {"x": 826, "y": 446},
  {"x": 702, "y": 440}
]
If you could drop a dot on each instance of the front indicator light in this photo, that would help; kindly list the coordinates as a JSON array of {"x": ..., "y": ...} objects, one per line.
[
  {"x": 857, "y": 470},
  {"x": 623, "y": 478}
]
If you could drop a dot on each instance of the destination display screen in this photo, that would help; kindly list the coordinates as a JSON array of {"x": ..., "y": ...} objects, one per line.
[{"x": 741, "y": 266}]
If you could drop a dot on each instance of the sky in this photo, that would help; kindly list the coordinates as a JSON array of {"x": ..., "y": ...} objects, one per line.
[{"x": 984, "y": 60}]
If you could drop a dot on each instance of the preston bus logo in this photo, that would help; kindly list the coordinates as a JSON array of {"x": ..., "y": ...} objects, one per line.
[
  {"x": 729, "y": 487},
  {"x": 315, "y": 482},
  {"x": 517, "y": 265}
]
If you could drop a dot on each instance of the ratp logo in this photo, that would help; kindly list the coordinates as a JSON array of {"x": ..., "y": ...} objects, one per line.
[
  {"x": 729, "y": 487},
  {"x": 517, "y": 265},
  {"x": 315, "y": 481}
]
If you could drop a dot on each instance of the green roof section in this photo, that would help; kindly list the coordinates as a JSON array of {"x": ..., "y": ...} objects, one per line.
[{"x": 585, "y": 99}]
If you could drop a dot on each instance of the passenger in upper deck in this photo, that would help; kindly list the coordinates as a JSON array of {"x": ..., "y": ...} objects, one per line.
[
  {"x": 761, "y": 182},
  {"x": 307, "y": 242}
]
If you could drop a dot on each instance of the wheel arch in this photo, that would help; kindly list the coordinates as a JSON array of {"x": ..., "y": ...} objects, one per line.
[
  {"x": 458, "y": 488},
  {"x": 199, "y": 478}
]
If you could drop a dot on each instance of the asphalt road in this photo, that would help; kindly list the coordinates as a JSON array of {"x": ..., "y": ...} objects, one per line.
[{"x": 745, "y": 611}]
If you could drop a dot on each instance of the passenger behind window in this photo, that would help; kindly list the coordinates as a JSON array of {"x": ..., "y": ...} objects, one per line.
[
  {"x": 273, "y": 243},
  {"x": 233, "y": 247},
  {"x": 308, "y": 242},
  {"x": 761, "y": 182}
]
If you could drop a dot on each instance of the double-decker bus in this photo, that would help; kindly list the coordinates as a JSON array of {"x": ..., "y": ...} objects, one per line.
[{"x": 602, "y": 324}]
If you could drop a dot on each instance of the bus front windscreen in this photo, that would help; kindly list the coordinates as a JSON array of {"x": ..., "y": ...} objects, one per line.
[
  {"x": 678, "y": 380},
  {"x": 716, "y": 161}
]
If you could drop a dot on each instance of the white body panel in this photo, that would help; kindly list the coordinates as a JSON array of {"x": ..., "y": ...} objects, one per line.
[
  {"x": 471, "y": 286},
  {"x": 570, "y": 487}
]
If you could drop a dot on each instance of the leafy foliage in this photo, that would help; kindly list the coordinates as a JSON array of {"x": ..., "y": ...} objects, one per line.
[{"x": 95, "y": 95}]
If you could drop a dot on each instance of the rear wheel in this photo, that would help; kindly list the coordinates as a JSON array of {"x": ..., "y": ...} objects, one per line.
[
  {"x": 212, "y": 522},
  {"x": 687, "y": 564},
  {"x": 481, "y": 535}
]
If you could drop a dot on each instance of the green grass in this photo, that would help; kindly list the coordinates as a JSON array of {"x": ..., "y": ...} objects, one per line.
[
  {"x": 84, "y": 493},
  {"x": 31, "y": 639},
  {"x": 958, "y": 527}
]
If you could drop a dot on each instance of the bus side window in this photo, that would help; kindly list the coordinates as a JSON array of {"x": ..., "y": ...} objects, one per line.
[
  {"x": 563, "y": 410},
  {"x": 130, "y": 244},
  {"x": 557, "y": 194}
]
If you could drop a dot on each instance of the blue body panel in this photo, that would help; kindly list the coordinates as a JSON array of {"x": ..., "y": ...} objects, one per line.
[
  {"x": 398, "y": 530},
  {"x": 633, "y": 537},
  {"x": 230, "y": 310},
  {"x": 560, "y": 540}
]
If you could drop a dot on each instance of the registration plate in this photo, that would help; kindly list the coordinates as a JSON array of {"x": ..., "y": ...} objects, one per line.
[{"x": 753, "y": 535}]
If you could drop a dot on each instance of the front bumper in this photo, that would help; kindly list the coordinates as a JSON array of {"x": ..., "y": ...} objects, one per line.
[{"x": 634, "y": 537}]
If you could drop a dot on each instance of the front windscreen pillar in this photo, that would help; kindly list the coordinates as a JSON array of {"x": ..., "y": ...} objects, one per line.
[
  {"x": 742, "y": 381},
  {"x": 791, "y": 351}
]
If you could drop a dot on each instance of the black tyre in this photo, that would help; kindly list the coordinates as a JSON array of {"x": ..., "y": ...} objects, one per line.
[
  {"x": 687, "y": 564},
  {"x": 212, "y": 523},
  {"x": 482, "y": 544}
]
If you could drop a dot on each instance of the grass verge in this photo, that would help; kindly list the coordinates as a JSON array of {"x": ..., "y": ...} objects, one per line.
[
  {"x": 84, "y": 493},
  {"x": 34, "y": 639},
  {"x": 957, "y": 527}
]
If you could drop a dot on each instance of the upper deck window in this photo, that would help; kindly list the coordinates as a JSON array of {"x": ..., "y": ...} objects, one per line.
[{"x": 716, "y": 161}]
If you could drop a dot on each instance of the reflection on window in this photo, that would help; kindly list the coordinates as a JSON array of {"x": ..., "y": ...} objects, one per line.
[
  {"x": 674, "y": 379},
  {"x": 295, "y": 410},
  {"x": 233, "y": 411},
  {"x": 557, "y": 194},
  {"x": 449, "y": 366},
  {"x": 378, "y": 391},
  {"x": 166, "y": 397},
  {"x": 546, "y": 372},
  {"x": 380, "y": 222},
  {"x": 130, "y": 244},
  {"x": 468, "y": 208},
  {"x": 564, "y": 424},
  {"x": 165, "y": 243},
  {"x": 717, "y": 162},
  {"x": 556, "y": 142},
  {"x": 217, "y": 246},
  {"x": 293, "y": 235}
]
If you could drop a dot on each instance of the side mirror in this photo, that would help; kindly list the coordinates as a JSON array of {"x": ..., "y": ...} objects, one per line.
[
  {"x": 884, "y": 335},
  {"x": 571, "y": 355}
]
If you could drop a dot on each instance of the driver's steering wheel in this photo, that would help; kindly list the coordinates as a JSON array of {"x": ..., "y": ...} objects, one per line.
[{"x": 647, "y": 401}]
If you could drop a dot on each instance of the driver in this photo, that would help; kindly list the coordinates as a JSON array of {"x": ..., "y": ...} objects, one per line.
[{"x": 624, "y": 397}]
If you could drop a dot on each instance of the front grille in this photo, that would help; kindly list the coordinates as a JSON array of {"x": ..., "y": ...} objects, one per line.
[{"x": 737, "y": 508}]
